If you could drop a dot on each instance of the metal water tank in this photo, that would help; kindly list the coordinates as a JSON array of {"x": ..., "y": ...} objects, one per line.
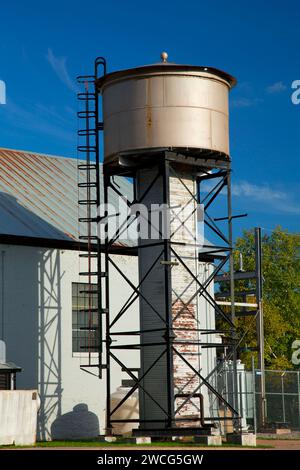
[
  {"x": 165, "y": 106},
  {"x": 129, "y": 410}
]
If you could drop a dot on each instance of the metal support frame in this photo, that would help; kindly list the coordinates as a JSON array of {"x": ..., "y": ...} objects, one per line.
[
  {"x": 169, "y": 336},
  {"x": 164, "y": 164}
]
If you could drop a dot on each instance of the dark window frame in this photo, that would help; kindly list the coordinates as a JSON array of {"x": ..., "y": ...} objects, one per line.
[{"x": 83, "y": 341}]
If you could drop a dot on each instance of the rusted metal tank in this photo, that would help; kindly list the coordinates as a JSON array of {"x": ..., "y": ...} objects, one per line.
[{"x": 165, "y": 106}]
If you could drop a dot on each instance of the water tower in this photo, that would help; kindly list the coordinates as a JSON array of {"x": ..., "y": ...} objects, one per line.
[{"x": 165, "y": 126}]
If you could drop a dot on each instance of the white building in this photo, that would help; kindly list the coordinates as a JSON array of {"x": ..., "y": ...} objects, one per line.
[
  {"x": 39, "y": 293},
  {"x": 39, "y": 268}
]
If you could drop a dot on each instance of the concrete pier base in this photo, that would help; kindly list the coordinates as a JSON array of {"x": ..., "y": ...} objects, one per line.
[
  {"x": 110, "y": 438},
  {"x": 209, "y": 440},
  {"x": 243, "y": 439},
  {"x": 142, "y": 440}
]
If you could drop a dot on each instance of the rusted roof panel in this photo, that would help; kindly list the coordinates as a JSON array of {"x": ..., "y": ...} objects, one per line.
[{"x": 39, "y": 195}]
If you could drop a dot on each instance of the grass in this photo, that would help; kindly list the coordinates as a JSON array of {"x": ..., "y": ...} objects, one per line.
[{"x": 98, "y": 444}]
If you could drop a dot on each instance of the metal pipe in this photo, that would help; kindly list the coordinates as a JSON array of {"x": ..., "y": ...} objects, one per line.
[
  {"x": 236, "y": 423},
  {"x": 254, "y": 396},
  {"x": 106, "y": 179},
  {"x": 260, "y": 325},
  {"x": 201, "y": 400},
  {"x": 282, "y": 397}
]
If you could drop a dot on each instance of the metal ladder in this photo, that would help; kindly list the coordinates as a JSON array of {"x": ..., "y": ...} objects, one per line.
[{"x": 94, "y": 277}]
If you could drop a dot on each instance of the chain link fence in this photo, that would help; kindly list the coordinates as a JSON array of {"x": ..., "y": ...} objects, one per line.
[{"x": 282, "y": 396}]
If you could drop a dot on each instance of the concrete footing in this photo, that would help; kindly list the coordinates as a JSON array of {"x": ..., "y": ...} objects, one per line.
[
  {"x": 110, "y": 438},
  {"x": 243, "y": 439},
  {"x": 209, "y": 440},
  {"x": 280, "y": 431},
  {"x": 142, "y": 440}
]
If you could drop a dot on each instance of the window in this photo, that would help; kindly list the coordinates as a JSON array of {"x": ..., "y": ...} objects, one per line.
[
  {"x": 5, "y": 380},
  {"x": 84, "y": 341}
]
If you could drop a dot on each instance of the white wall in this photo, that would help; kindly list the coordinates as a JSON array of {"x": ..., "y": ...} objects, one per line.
[{"x": 36, "y": 324}]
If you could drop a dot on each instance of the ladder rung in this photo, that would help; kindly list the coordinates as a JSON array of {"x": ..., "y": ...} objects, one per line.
[
  {"x": 88, "y": 219},
  {"x": 86, "y": 79},
  {"x": 92, "y": 273},
  {"x": 92, "y": 184},
  {"x": 88, "y": 255},
  {"x": 86, "y": 148},
  {"x": 88, "y": 292},
  {"x": 88, "y": 237},
  {"x": 88, "y": 273},
  {"x": 87, "y": 202},
  {"x": 86, "y": 114},
  {"x": 90, "y": 166},
  {"x": 87, "y": 328},
  {"x": 87, "y": 310},
  {"x": 86, "y": 132},
  {"x": 86, "y": 96}
]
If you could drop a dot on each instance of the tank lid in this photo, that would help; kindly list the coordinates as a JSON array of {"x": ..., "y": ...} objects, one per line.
[{"x": 162, "y": 67}]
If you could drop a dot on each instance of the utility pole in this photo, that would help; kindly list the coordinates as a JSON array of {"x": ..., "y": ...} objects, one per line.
[{"x": 260, "y": 326}]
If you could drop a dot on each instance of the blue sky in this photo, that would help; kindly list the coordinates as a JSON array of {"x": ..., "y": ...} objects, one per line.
[{"x": 43, "y": 46}]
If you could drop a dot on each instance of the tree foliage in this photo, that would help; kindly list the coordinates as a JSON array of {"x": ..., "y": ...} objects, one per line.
[{"x": 281, "y": 294}]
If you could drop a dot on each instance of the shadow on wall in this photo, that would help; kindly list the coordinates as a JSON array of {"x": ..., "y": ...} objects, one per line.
[
  {"x": 76, "y": 424},
  {"x": 30, "y": 310},
  {"x": 30, "y": 321},
  {"x": 49, "y": 339}
]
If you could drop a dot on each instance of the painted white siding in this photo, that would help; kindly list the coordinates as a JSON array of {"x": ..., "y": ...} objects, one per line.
[
  {"x": 18, "y": 412},
  {"x": 36, "y": 324}
]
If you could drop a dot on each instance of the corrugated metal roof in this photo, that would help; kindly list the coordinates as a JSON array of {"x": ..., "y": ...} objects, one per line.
[{"x": 39, "y": 195}]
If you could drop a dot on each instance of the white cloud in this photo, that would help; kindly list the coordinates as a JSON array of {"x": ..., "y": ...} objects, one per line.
[
  {"x": 59, "y": 66},
  {"x": 262, "y": 198},
  {"x": 260, "y": 193},
  {"x": 245, "y": 102},
  {"x": 276, "y": 87},
  {"x": 38, "y": 118},
  {"x": 270, "y": 199}
]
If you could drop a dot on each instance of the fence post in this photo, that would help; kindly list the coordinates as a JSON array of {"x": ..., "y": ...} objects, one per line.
[
  {"x": 282, "y": 396},
  {"x": 227, "y": 398},
  {"x": 254, "y": 398}
]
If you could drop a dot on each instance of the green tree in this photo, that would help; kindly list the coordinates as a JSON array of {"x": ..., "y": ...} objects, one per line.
[{"x": 281, "y": 294}]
